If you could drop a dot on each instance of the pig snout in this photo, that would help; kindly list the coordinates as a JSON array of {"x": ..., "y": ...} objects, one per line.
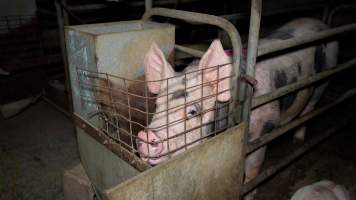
[{"x": 149, "y": 144}]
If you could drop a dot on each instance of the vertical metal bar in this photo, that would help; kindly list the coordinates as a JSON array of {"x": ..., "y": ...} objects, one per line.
[
  {"x": 201, "y": 101},
  {"x": 65, "y": 13},
  {"x": 185, "y": 111},
  {"x": 247, "y": 90},
  {"x": 167, "y": 119},
  {"x": 130, "y": 118},
  {"x": 61, "y": 25},
  {"x": 148, "y": 5},
  {"x": 147, "y": 113}
]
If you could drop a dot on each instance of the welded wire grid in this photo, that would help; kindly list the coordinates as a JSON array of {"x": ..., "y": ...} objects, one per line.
[
  {"x": 20, "y": 36},
  {"x": 126, "y": 107}
]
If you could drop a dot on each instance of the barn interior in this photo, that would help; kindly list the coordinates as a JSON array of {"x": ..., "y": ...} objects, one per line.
[{"x": 40, "y": 158}]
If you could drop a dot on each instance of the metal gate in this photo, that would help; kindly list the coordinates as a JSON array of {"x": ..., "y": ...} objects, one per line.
[{"x": 153, "y": 182}]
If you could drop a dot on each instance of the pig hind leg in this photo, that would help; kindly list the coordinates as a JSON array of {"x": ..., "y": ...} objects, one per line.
[
  {"x": 263, "y": 120},
  {"x": 299, "y": 135},
  {"x": 325, "y": 58}
]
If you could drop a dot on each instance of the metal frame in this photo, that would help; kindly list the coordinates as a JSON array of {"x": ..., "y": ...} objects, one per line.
[
  {"x": 211, "y": 20},
  {"x": 246, "y": 90},
  {"x": 253, "y": 51}
]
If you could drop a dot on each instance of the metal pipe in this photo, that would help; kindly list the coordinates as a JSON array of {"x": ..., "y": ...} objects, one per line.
[
  {"x": 254, "y": 145},
  {"x": 61, "y": 25},
  {"x": 239, "y": 16},
  {"x": 290, "y": 158},
  {"x": 212, "y": 20},
  {"x": 148, "y": 5},
  {"x": 190, "y": 51},
  {"x": 81, "y": 8},
  {"x": 338, "y": 9},
  {"x": 253, "y": 39},
  {"x": 263, "y": 99},
  {"x": 282, "y": 45}
]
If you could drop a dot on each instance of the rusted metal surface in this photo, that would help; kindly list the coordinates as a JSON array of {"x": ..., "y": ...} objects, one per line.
[
  {"x": 211, "y": 170},
  {"x": 263, "y": 140},
  {"x": 260, "y": 100},
  {"x": 104, "y": 168},
  {"x": 103, "y": 139},
  {"x": 285, "y": 44},
  {"x": 124, "y": 116},
  {"x": 105, "y": 48},
  {"x": 290, "y": 158}
]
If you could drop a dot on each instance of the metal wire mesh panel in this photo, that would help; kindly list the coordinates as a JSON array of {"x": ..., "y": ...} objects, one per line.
[{"x": 155, "y": 127}]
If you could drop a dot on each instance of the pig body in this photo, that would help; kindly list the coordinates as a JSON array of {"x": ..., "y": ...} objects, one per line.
[
  {"x": 276, "y": 72},
  {"x": 323, "y": 190},
  {"x": 172, "y": 126}
]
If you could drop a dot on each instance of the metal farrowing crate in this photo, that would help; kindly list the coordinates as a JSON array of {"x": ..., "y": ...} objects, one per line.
[
  {"x": 126, "y": 107},
  {"x": 135, "y": 126}
]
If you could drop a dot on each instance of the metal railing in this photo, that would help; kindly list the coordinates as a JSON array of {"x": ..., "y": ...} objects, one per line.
[{"x": 261, "y": 50}]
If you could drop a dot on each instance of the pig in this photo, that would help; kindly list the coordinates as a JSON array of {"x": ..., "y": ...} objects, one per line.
[
  {"x": 275, "y": 72},
  {"x": 183, "y": 104},
  {"x": 125, "y": 108},
  {"x": 322, "y": 190},
  {"x": 271, "y": 74}
]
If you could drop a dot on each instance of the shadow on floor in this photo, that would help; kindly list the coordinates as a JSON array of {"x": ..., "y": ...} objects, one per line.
[{"x": 35, "y": 148}]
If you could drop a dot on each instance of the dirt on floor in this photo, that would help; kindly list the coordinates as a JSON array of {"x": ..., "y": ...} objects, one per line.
[{"x": 36, "y": 146}]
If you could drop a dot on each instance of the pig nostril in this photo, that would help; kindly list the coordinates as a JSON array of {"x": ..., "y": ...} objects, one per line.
[{"x": 154, "y": 143}]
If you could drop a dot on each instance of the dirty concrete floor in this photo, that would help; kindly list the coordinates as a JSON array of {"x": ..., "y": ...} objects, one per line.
[
  {"x": 36, "y": 147},
  {"x": 39, "y": 144}
]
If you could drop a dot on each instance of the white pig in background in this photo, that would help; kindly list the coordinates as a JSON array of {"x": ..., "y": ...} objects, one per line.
[
  {"x": 271, "y": 74},
  {"x": 323, "y": 190}
]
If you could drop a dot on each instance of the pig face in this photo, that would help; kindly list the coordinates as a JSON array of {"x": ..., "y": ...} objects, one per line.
[{"x": 185, "y": 102}]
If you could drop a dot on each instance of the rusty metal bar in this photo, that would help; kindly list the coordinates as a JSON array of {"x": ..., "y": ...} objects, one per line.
[
  {"x": 337, "y": 9},
  {"x": 282, "y": 45},
  {"x": 245, "y": 89},
  {"x": 103, "y": 139},
  {"x": 293, "y": 156},
  {"x": 263, "y": 140},
  {"x": 263, "y": 99},
  {"x": 190, "y": 51},
  {"x": 239, "y": 16},
  {"x": 211, "y": 20}
]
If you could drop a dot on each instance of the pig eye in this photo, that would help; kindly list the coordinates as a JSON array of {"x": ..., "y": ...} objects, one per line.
[{"x": 193, "y": 111}]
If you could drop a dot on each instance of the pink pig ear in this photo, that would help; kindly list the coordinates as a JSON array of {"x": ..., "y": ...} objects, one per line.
[
  {"x": 156, "y": 68},
  {"x": 215, "y": 56}
]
